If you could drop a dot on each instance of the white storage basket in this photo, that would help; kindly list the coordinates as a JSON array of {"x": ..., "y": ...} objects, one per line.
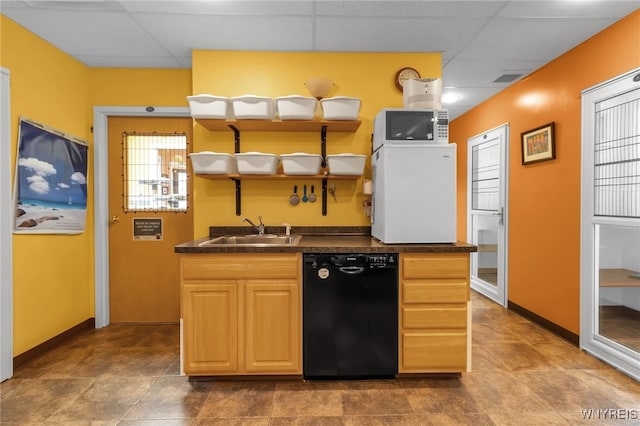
[
  {"x": 253, "y": 107},
  {"x": 300, "y": 163},
  {"x": 296, "y": 107},
  {"x": 346, "y": 164},
  {"x": 209, "y": 106},
  {"x": 257, "y": 163},
  {"x": 340, "y": 108},
  {"x": 212, "y": 163}
]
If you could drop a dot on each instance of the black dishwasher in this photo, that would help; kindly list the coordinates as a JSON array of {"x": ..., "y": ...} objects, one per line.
[{"x": 350, "y": 316}]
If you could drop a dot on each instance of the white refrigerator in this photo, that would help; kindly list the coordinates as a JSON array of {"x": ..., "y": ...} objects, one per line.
[{"x": 414, "y": 193}]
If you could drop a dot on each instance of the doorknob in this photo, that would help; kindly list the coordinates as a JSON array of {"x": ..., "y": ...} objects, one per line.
[
  {"x": 501, "y": 214},
  {"x": 115, "y": 219}
]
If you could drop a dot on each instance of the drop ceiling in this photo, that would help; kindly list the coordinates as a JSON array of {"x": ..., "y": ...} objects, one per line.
[{"x": 485, "y": 45}]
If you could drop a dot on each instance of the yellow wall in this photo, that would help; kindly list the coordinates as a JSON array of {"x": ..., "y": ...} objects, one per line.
[
  {"x": 368, "y": 76},
  {"x": 53, "y": 274},
  {"x": 139, "y": 87},
  {"x": 544, "y": 198},
  {"x": 53, "y": 283}
]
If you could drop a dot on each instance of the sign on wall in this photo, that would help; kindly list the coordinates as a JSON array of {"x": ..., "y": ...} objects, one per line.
[
  {"x": 51, "y": 181},
  {"x": 147, "y": 228}
]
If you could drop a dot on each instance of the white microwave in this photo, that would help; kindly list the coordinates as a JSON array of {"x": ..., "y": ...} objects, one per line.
[{"x": 399, "y": 126}]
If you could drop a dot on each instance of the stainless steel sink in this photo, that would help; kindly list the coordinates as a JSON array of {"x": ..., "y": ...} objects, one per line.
[{"x": 254, "y": 240}]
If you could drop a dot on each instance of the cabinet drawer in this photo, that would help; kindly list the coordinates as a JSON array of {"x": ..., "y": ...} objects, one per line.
[
  {"x": 435, "y": 266},
  {"x": 436, "y": 291},
  {"x": 433, "y": 352},
  {"x": 451, "y": 316},
  {"x": 240, "y": 266}
]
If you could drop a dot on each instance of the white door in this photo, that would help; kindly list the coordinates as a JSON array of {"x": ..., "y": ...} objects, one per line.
[
  {"x": 487, "y": 212},
  {"x": 610, "y": 225},
  {"x": 6, "y": 220}
]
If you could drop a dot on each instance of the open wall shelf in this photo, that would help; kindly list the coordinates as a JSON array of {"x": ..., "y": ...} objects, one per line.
[
  {"x": 322, "y": 126},
  {"x": 279, "y": 177},
  {"x": 280, "y": 125}
]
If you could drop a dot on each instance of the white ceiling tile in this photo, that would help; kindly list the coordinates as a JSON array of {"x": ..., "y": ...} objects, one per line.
[
  {"x": 90, "y": 33},
  {"x": 393, "y": 34},
  {"x": 519, "y": 39},
  {"x": 569, "y": 9},
  {"x": 481, "y": 73},
  {"x": 478, "y": 39},
  {"x": 12, "y": 4},
  {"x": 76, "y": 5},
  {"x": 230, "y": 7},
  {"x": 133, "y": 61},
  {"x": 410, "y": 9},
  {"x": 228, "y": 32}
]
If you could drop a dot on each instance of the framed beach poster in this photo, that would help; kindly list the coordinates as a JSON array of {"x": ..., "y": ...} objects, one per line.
[{"x": 50, "y": 190}]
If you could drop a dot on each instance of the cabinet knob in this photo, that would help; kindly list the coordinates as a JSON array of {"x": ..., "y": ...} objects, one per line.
[{"x": 115, "y": 219}]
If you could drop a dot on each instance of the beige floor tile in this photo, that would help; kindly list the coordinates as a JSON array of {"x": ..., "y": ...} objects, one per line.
[
  {"x": 128, "y": 374},
  {"x": 300, "y": 403}
]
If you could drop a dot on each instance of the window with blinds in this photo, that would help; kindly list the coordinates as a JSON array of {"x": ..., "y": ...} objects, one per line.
[
  {"x": 485, "y": 179},
  {"x": 154, "y": 172},
  {"x": 617, "y": 156}
]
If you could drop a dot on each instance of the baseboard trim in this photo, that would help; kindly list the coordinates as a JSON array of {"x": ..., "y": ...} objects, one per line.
[
  {"x": 569, "y": 336},
  {"x": 54, "y": 342}
]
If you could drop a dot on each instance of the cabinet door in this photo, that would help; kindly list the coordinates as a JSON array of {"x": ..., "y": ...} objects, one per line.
[
  {"x": 272, "y": 327},
  {"x": 210, "y": 327}
]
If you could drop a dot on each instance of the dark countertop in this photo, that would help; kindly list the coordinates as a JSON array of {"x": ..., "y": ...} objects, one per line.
[{"x": 321, "y": 240}]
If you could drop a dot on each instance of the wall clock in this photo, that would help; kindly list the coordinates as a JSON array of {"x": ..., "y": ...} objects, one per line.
[{"x": 403, "y": 74}]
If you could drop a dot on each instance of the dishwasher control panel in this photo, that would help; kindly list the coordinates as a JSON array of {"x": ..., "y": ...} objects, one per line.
[
  {"x": 384, "y": 261},
  {"x": 355, "y": 260}
]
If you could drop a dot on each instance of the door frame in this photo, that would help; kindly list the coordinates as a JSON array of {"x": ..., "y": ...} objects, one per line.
[
  {"x": 503, "y": 258},
  {"x": 6, "y": 231},
  {"x": 101, "y": 116},
  {"x": 622, "y": 358}
]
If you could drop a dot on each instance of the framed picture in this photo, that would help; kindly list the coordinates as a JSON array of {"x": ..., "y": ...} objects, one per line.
[{"x": 538, "y": 144}]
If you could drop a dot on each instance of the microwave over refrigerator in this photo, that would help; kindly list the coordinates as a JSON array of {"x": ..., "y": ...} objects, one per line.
[{"x": 414, "y": 183}]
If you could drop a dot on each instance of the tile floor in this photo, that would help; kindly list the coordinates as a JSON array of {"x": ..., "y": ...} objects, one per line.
[
  {"x": 622, "y": 325},
  {"x": 129, "y": 375}
]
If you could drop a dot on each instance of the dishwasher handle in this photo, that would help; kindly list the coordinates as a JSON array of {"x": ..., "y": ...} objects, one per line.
[{"x": 352, "y": 270}]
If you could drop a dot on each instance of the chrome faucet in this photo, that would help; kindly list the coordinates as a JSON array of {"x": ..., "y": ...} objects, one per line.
[{"x": 259, "y": 228}]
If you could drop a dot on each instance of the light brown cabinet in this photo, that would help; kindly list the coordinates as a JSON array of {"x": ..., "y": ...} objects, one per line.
[
  {"x": 433, "y": 324},
  {"x": 241, "y": 314}
]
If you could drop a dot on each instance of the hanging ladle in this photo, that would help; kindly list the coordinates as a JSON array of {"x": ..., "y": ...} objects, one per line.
[{"x": 304, "y": 197}]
